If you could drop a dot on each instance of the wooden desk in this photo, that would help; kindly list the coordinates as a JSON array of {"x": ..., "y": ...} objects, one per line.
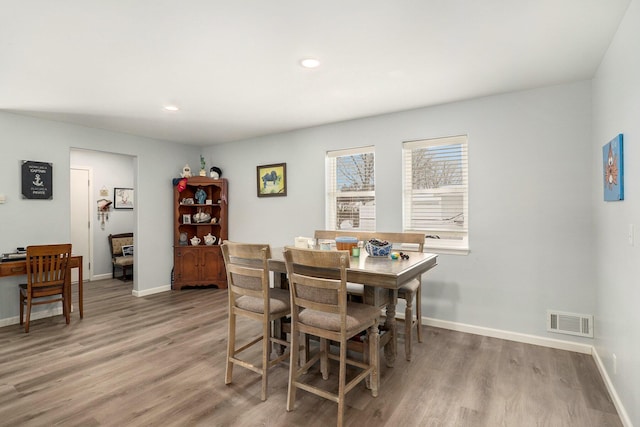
[
  {"x": 381, "y": 277},
  {"x": 19, "y": 268}
]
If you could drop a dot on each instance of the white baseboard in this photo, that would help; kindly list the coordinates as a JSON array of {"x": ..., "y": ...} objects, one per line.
[
  {"x": 151, "y": 291},
  {"x": 40, "y": 314},
  {"x": 101, "y": 276},
  {"x": 624, "y": 417},
  {"x": 508, "y": 335}
]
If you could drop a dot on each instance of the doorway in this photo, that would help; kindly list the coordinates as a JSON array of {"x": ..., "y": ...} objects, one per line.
[{"x": 107, "y": 172}]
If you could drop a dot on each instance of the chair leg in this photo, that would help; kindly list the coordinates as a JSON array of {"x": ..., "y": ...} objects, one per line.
[
  {"x": 266, "y": 349},
  {"x": 324, "y": 358},
  {"x": 26, "y": 324},
  {"x": 304, "y": 355},
  {"x": 231, "y": 344},
  {"x": 373, "y": 337},
  {"x": 66, "y": 299},
  {"x": 293, "y": 368},
  {"x": 21, "y": 309},
  {"x": 419, "y": 312},
  {"x": 408, "y": 323},
  {"x": 341, "y": 384}
]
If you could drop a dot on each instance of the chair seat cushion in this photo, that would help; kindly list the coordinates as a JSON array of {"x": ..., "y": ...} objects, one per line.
[
  {"x": 408, "y": 290},
  {"x": 278, "y": 302},
  {"x": 358, "y": 315},
  {"x": 40, "y": 291},
  {"x": 123, "y": 260}
]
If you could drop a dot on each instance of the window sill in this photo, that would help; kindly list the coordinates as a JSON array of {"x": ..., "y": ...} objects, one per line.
[{"x": 447, "y": 250}]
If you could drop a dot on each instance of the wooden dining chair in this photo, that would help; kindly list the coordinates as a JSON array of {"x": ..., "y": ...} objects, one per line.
[
  {"x": 319, "y": 307},
  {"x": 251, "y": 296},
  {"x": 410, "y": 291},
  {"x": 48, "y": 280}
]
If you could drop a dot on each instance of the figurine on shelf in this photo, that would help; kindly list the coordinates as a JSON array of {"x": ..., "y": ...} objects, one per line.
[
  {"x": 215, "y": 172},
  {"x": 186, "y": 171},
  {"x": 203, "y": 166},
  {"x": 200, "y": 196}
]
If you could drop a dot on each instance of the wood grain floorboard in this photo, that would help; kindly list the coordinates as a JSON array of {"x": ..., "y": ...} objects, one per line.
[{"x": 160, "y": 360}]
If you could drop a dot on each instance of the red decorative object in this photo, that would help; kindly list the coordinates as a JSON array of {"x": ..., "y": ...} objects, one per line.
[{"x": 182, "y": 184}]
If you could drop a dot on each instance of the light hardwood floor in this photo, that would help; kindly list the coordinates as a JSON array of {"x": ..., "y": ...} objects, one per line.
[{"x": 159, "y": 360}]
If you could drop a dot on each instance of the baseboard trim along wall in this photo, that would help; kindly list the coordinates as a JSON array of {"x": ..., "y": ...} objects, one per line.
[
  {"x": 508, "y": 335},
  {"x": 151, "y": 291},
  {"x": 624, "y": 417},
  {"x": 41, "y": 314}
]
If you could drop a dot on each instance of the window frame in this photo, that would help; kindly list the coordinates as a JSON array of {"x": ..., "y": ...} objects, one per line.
[
  {"x": 331, "y": 183},
  {"x": 458, "y": 241}
]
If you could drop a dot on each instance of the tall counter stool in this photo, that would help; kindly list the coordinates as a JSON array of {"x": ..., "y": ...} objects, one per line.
[
  {"x": 251, "y": 296},
  {"x": 318, "y": 288}
]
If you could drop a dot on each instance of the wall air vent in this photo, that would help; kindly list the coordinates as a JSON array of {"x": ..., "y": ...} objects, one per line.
[{"x": 570, "y": 323}]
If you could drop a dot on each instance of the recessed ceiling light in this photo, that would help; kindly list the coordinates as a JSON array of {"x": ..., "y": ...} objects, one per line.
[
  {"x": 171, "y": 108},
  {"x": 309, "y": 63}
]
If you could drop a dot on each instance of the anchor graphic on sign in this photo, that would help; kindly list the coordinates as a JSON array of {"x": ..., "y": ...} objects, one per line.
[{"x": 38, "y": 182}]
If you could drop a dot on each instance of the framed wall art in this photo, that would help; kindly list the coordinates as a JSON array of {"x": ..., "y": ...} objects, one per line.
[
  {"x": 613, "y": 173},
  {"x": 37, "y": 180},
  {"x": 123, "y": 198},
  {"x": 272, "y": 180}
]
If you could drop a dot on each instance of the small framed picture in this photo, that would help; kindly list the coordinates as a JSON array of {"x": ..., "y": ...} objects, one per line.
[
  {"x": 123, "y": 198},
  {"x": 272, "y": 180},
  {"x": 613, "y": 171},
  {"x": 127, "y": 250},
  {"x": 186, "y": 219}
]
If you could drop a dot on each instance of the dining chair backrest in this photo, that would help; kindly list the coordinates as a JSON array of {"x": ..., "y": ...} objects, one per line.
[
  {"x": 247, "y": 269},
  {"x": 317, "y": 281},
  {"x": 47, "y": 265},
  {"x": 415, "y": 240}
]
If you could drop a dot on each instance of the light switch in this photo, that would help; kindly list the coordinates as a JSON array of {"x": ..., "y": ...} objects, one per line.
[{"x": 2, "y": 198}]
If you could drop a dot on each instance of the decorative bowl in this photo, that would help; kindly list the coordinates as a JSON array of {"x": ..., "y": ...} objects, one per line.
[
  {"x": 201, "y": 217},
  {"x": 380, "y": 251}
]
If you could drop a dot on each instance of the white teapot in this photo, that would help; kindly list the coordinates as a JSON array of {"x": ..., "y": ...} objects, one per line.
[
  {"x": 209, "y": 239},
  {"x": 195, "y": 240}
]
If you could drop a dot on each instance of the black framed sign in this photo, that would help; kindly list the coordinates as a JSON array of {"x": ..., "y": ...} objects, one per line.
[{"x": 37, "y": 180}]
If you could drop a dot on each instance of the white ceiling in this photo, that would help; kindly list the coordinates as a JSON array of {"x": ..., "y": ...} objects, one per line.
[{"x": 233, "y": 66}]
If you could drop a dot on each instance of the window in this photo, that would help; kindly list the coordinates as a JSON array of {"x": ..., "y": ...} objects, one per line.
[
  {"x": 351, "y": 197},
  {"x": 435, "y": 192}
]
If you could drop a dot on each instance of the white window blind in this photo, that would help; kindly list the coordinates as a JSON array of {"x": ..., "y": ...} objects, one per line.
[
  {"x": 350, "y": 187},
  {"x": 435, "y": 191}
]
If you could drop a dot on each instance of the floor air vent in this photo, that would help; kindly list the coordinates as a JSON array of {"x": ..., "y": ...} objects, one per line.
[{"x": 570, "y": 323}]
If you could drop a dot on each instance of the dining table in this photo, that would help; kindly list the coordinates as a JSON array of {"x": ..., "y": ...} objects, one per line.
[{"x": 381, "y": 277}]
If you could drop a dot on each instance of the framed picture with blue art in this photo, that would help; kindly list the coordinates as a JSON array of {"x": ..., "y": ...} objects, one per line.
[{"x": 613, "y": 170}]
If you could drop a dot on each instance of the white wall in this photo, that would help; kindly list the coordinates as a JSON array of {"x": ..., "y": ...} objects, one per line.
[
  {"x": 616, "y": 109},
  {"x": 109, "y": 171},
  {"x": 25, "y": 222},
  {"x": 530, "y": 200}
]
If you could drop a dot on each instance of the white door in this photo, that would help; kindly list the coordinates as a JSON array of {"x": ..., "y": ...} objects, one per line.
[{"x": 80, "y": 220}]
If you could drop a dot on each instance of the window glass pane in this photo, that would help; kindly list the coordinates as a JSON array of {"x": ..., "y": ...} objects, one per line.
[
  {"x": 351, "y": 189},
  {"x": 436, "y": 190}
]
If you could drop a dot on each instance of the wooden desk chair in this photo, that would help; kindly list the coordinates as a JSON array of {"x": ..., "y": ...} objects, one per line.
[
  {"x": 250, "y": 296},
  {"x": 47, "y": 276},
  {"x": 317, "y": 284},
  {"x": 410, "y": 291}
]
